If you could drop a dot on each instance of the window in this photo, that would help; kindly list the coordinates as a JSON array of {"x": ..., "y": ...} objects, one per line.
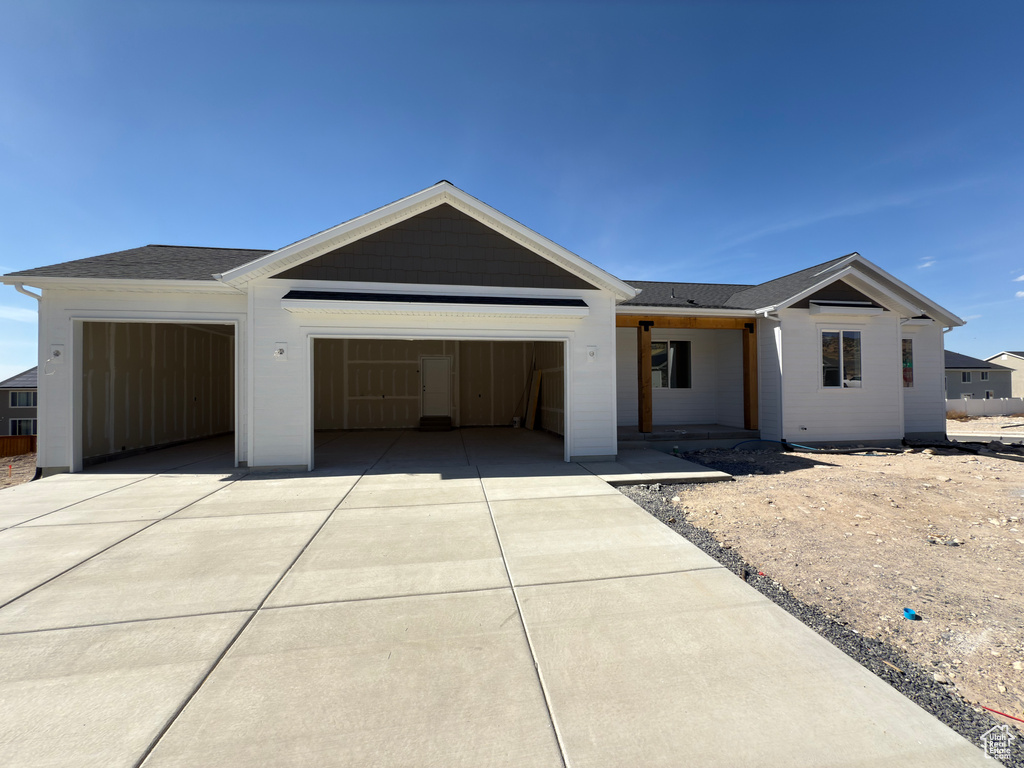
[
  {"x": 984, "y": 375},
  {"x": 989, "y": 394},
  {"x": 908, "y": 362},
  {"x": 23, "y": 399},
  {"x": 967, "y": 396},
  {"x": 965, "y": 377},
  {"x": 670, "y": 364},
  {"x": 23, "y": 426},
  {"x": 840, "y": 359}
]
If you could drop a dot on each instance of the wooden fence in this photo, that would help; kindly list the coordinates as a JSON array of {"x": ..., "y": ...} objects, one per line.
[{"x": 16, "y": 445}]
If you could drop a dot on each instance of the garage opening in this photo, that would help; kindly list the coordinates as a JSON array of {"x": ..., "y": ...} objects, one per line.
[
  {"x": 398, "y": 384},
  {"x": 154, "y": 385}
]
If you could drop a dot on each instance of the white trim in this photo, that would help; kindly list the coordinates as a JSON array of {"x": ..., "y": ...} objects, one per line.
[
  {"x": 849, "y": 271},
  {"x": 825, "y": 308},
  {"x": 126, "y": 285},
  {"x": 935, "y": 309},
  {"x": 388, "y": 215},
  {"x": 840, "y": 329},
  {"x": 421, "y": 308}
]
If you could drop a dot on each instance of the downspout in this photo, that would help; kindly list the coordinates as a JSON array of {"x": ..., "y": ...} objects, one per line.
[{"x": 20, "y": 288}]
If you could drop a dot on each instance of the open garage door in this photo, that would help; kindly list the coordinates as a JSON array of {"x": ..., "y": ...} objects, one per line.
[
  {"x": 152, "y": 385},
  {"x": 397, "y": 383}
]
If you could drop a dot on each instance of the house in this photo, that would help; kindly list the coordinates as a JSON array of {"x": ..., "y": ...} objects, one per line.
[
  {"x": 1015, "y": 362},
  {"x": 18, "y": 404},
  {"x": 969, "y": 377},
  {"x": 439, "y": 306}
]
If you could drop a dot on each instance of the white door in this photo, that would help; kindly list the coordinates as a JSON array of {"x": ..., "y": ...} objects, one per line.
[{"x": 435, "y": 378}]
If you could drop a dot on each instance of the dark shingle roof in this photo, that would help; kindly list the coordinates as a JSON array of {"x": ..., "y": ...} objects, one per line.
[
  {"x": 24, "y": 380},
  {"x": 730, "y": 296},
  {"x": 682, "y": 294},
  {"x": 151, "y": 262},
  {"x": 957, "y": 361}
]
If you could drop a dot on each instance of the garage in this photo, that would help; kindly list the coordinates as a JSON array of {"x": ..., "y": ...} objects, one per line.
[
  {"x": 390, "y": 384},
  {"x": 153, "y": 385}
]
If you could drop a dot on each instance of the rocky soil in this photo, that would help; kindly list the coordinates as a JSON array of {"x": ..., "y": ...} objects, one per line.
[
  {"x": 15, "y": 470},
  {"x": 847, "y": 542}
]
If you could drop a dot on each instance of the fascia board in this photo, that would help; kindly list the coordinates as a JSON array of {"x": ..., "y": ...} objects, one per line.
[
  {"x": 420, "y": 288},
  {"x": 143, "y": 286},
  {"x": 633, "y": 309},
  {"x": 448, "y": 310},
  {"x": 930, "y": 307},
  {"x": 361, "y": 226}
]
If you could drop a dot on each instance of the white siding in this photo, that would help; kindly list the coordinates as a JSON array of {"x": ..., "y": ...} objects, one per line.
[
  {"x": 815, "y": 413},
  {"x": 716, "y": 392},
  {"x": 924, "y": 404},
  {"x": 281, "y": 409},
  {"x": 60, "y": 387}
]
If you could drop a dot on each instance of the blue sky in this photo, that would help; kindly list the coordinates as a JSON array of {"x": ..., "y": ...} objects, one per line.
[{"x": 701, "y": 142}]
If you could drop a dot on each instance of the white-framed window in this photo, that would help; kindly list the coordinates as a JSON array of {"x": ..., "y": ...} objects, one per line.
[
  {"x": 840, "y": 359},
  {"x": 967, "y": 396},
  {"x": 989, "y": 394},
  {"x": 965, "y": 377},
  {"x": 908, "y": 362},
  {"x": 984, "y": 375},
  {"x": 670, "y": 365},
  {"x": 23, "y": 399},
  {"x": 24, "y": 426}
]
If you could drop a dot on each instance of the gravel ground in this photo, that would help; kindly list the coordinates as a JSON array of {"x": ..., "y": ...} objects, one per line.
[
  {"x": 909, "y": 677},
  {"x": 15, "y": 470}
]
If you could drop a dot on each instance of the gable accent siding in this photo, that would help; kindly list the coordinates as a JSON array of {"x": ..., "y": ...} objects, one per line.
[{"x": 442, "y": 246}]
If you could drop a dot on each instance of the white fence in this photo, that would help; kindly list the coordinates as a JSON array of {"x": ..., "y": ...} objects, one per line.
[{"x": 993, "y": 407}]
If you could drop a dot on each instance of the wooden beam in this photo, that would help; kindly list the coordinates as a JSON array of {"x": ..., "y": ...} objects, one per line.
[
  {"x": 750, "y": 409},
  {"x": 645, "y": 402},
  {"x": 661, "y": 321}
]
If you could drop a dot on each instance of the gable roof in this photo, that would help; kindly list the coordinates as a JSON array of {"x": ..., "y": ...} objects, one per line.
[
  {"x": 789, "y": 289},
  {"x": 150, "y": 262},
  {"x": 955, "y": 360},
  {"x": 1019, "y": 354},
  {"x": 444, "y": 192},
  {"x": 24, "y": 380}
]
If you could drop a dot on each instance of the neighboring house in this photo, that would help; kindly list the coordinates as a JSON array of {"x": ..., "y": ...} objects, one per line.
[
  {"x": 1015, "y": 362},
  {"x": 439, "y": 306},
  {"x": 973, "y": 378},
  {"x": 18, "y": 404}
]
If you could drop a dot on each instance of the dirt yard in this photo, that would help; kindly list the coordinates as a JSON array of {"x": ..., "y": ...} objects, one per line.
[
  {"x": 994, "y": 425},
  {"x": 15, "y": 470},
  {"x": 865, "y": 536}
]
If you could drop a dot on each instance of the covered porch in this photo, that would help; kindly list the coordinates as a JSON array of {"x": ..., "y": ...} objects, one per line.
[{"x": 686, "y": 378}]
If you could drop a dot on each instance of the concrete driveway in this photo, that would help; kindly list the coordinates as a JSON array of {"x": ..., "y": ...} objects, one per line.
[{"x": 444, "y": 599}]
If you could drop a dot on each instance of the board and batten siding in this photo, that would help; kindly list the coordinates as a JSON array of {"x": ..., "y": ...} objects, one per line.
[
  {"x": 812, "y": 412},
  {"x": 715, "y": 395},
  {"x": 924, "y": 404}
]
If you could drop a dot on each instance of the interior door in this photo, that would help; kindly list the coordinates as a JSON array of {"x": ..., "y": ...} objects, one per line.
[{"x": 435, "y": 378}]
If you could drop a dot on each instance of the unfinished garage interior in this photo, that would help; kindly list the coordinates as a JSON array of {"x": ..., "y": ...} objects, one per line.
[
  {"x": 361, "y": 384},
  {"x": 151, "y": 385}
]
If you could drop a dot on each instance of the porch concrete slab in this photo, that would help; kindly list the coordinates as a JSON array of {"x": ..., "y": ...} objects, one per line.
[
  {"x": 644, "y": 465},
  {"x": 698, "y": 669},
  {"x": 262, "y": 493},
  {"x": 590, "y": 537},
  {"x": 173, "y": 568},
  {"x": 29, "y": 556},
  {"x": 439, "y": 680},
  {"x": 149, "y": 499},
  {"x": 98, "y": 696},
  {"x": 367, "y": 553}
]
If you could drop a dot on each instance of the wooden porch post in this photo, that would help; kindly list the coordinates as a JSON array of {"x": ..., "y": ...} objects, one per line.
[
  {"x": 645, "y": 403},
  {"x": 750, "y": 376}
]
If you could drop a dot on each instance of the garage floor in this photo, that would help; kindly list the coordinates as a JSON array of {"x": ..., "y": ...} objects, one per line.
[{"x": 405, "y": 604}]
